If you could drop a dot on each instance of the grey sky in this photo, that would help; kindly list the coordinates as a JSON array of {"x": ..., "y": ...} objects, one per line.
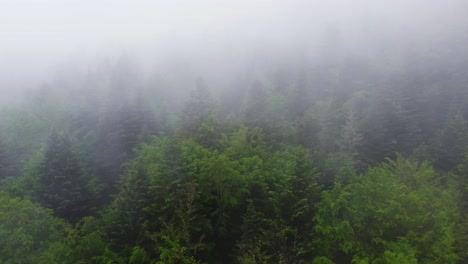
[{"x": 36, "y": 36}]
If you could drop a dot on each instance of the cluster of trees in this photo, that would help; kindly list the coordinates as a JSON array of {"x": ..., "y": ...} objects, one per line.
[{"x": 350, "y": 163}]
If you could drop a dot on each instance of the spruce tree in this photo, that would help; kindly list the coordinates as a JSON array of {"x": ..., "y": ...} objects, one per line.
[
  {"x": 5, "y": 160},
  {"x": 63, "y": 184},
  {"x": 461, "y": 235}
]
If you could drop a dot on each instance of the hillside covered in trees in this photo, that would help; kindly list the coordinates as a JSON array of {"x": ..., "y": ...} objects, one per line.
[{"x": 341, "y": 155}]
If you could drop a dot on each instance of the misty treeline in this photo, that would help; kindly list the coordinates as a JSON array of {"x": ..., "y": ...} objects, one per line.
[{"x": 341, "y": 158}]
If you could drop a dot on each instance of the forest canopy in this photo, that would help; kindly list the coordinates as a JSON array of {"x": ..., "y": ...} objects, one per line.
[{"x": 350, "y": 146}]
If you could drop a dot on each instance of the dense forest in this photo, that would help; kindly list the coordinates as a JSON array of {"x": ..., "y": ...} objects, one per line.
[{"x": 347, "y": 154}]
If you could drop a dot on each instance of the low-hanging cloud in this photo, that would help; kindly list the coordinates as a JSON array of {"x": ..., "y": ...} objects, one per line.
[{"x": 37, "y": 36}]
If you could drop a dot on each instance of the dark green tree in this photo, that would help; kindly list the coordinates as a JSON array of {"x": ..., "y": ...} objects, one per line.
[
  {"x": 142, "y": 197},
  {"x": 461, "y": 243},
  {"x": 294, "y": 196},
  {"x": 124, "y": 124},
  {"x": 63, "y": 183},
  {"x": 381, "y": 130},
  {"x": 256, "y": 106},
  {"x": 6, "y": 161},
  {"x": 450, "y": 143}
]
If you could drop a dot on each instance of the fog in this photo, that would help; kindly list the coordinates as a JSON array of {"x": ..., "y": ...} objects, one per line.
[
  {"x": 246, "y": 131},
  {"x": 40, "y": 38}
]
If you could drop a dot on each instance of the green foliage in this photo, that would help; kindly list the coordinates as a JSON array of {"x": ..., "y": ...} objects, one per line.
[
  {"x": 397, "y": 210},
  {"x": 23, "y": 186},
  {"x": 16, "y": 186},
  {"x": 338, "y": 167},
  {"x": 309, "y": 129},
  {"x": 7, "y": 161},
  {"x": 62, "y": 183},
  {"x": 277, "y": 225},
  {"x": 142, "y": 197},
  {"x": 29, "y": 232},
  {"x": 322, "y": 260},
  {"x": 461, "y": 244},
  {"x": 253, "y": 246},
  {"x": 86, "y": 242},
  {"x": 171, "y": 248},
  {"x": 45, "y": 239},
  {"x": 139, "y": 256},
  {"x": 199, "y": 118},
  {"x": 109, "y": 257},
  {"x": 201, "y": 182},
  {"x": 195, "y": 197},
  {"x": 450, "y": 143}
]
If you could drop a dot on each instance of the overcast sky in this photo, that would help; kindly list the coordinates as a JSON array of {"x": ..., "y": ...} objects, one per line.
[{"x": 37, "y": 36}]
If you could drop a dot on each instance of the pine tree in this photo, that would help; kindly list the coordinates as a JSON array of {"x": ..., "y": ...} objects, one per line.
[
  {"x": 256, "y": 107},
  {"x": 350, "y": 136},
  {"x": 381, "y": 131},
  {"x": 5, "y": 160},
  {"x": 63, "y": 183},
  {"x": 298, "y": 196},
  {"x": 299, "y": 98},
  {"x": 461, "y": 243},
  {"x": 450, "y": 143},
  {"x": 122, "y": 127},
  {"x": 198, "y": 117}
]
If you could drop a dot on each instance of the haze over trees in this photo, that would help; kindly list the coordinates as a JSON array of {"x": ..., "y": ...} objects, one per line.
[{"x": 340, "y": 138}]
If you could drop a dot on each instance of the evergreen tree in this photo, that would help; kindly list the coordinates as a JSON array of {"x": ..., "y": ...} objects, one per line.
[
  {"x": 299, "y": 100},
  {"x": 450, "y": 143},
  {"x": 122, "y": 127},
  {"x": 257, "y": 238},
  {"x": 461, "y": 243},
  {"x": 309, "y": 130},
  {"x": 256, "y": 106},
  {"x": 199, "y": 118},
  {"x": 63, "y": 184},
  {"x": 6, "y": 161},
  {"x": 142, "y": 197},
  {"x": 350, "y": 136},
  {"x": 296, "y": 197},
  {"x": 381, "y": 130}
]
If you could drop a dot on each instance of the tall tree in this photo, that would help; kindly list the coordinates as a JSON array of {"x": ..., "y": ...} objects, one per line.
[
  {"x": 381, "y": 130},
  {"x": 395, "y": 211},
  {"x": 27, "y": 231},
  {"x": 124, "y": 123},
  {"x": 450, "y": 143},
  {"x": 297, "y": 198},
  {"x": 6, "y": 161},
  {"x": 198, "y": 117},
  {"x": 461, "y": 243},
  {"x": 256, "y": 106},
  {"x": 64, "y": 184}
]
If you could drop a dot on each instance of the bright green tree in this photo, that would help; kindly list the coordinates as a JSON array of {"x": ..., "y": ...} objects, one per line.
[
  {"x": 396, "y": 211},
  {"x": 28, "y": 232}
]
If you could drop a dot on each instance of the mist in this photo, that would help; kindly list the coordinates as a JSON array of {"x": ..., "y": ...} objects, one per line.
[
  {"x": 213, "y": 38},
  {"x": 233, "y": 131}
]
